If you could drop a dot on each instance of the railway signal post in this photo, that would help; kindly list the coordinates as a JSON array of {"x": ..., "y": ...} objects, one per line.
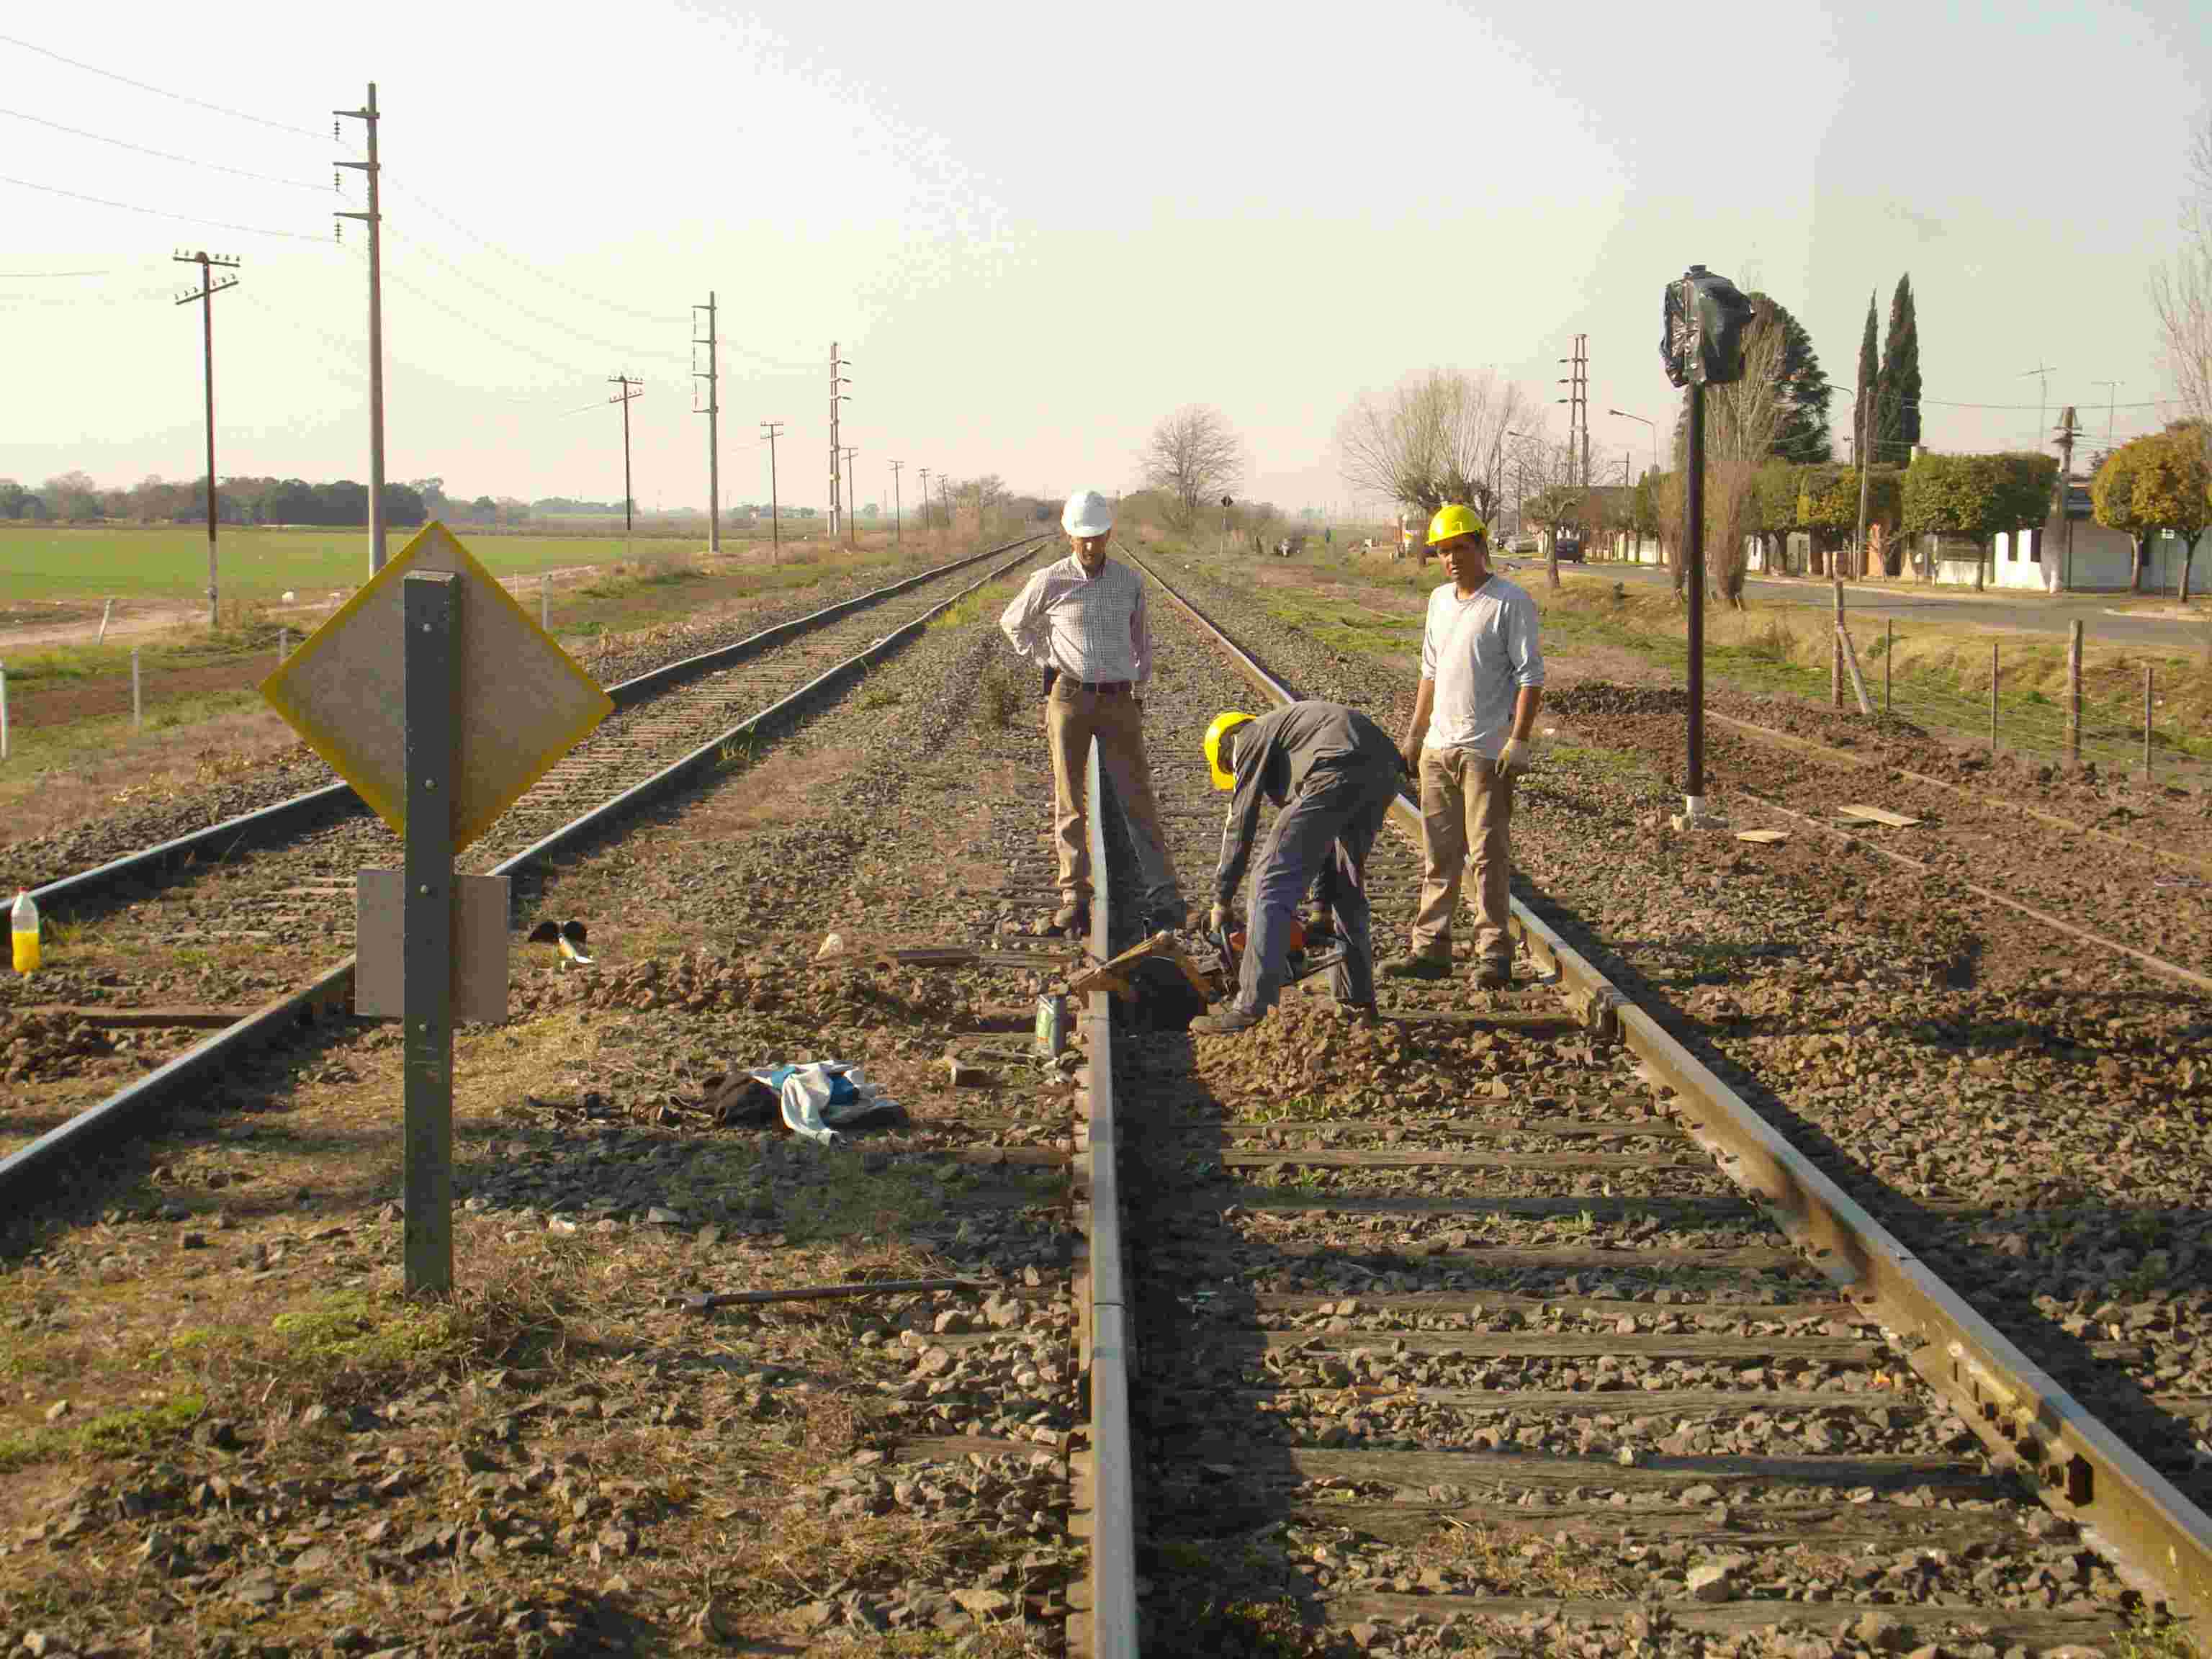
[{"x": 1703, "y": 322}]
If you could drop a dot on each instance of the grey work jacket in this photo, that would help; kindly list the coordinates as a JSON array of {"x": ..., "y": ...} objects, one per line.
[{"x": 1276, "y": 753}]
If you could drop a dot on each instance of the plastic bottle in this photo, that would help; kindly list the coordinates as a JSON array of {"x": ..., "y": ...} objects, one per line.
[{"x": 23, "y": 927}]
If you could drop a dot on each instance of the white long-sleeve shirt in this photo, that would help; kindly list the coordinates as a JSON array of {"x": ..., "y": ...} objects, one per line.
[
  {"x": 1480, "y": 650},
  {"x": 1088, "y": 628}
]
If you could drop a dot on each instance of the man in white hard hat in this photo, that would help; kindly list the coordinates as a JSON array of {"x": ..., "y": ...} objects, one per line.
[{"x": 1082, "y": 618}]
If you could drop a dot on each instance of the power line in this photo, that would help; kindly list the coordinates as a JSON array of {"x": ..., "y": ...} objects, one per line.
[
  {"x": 535, "y": 316},
  {"x": 489, "y": 334},
  {"x": 547, "y": 277},
  {"x": 157, "y": 213},
  {"x": 159, "y": 92},
  {"x": 1940, "y": 403},
  {"x": 517, "y": 260},
  {"x": 162, "y": 154}
]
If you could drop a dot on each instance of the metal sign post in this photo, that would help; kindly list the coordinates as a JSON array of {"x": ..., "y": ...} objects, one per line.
[
  {"x": 431, "y": 606},
  {"x": 439, "y": 736}
]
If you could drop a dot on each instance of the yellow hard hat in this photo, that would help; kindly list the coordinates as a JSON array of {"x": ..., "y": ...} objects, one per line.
[
  {"x": 1224, "y": 723},
  {"x": 1453, "y": 520}
]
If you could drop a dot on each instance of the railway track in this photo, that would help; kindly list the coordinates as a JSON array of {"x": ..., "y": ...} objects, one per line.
[
  {"x": 1509, "y": 1323},
  {"x": 261, "y": 928},
  {"x": 134, "y": 874},
  {"x": 2116, "y": 894}
]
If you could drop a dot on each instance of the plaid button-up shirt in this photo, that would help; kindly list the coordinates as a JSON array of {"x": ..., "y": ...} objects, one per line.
[{"x": 1088, "y": 628}]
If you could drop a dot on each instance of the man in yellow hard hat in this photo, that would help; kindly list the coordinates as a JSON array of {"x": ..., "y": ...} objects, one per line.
[
  {"x": 1482, "y": 681},
  {"x": 1334, "y": 772}
]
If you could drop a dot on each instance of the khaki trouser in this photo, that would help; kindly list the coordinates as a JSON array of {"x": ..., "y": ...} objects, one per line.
[
  {"x": 1072, "y": 719},
  {"x": 1467, "y": 806}
]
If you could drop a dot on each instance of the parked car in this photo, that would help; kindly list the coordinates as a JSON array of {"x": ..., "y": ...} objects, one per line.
[{"x": 1570, "y": 546}]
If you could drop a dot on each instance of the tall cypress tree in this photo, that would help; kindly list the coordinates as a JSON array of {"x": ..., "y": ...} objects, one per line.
[
  {"x": 1896, "y": 423},
  {"x": 1869, "y": 386},
  {"x": 1803, "y": 436}
]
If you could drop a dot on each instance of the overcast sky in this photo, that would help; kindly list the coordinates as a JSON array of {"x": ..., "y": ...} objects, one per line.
[{"x": 1036, "y": 230}]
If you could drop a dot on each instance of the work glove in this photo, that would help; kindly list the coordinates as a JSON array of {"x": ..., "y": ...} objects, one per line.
[
  {"x": 1514, "y": 759},
  {"x": 1216, "y": 919}
]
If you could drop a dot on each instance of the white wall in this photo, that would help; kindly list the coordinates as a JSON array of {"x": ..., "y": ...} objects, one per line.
[{"x": 2018, "y": 562}]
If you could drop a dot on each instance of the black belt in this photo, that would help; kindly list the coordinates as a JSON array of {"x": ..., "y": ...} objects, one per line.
[{"x": 1105, "y": 689}]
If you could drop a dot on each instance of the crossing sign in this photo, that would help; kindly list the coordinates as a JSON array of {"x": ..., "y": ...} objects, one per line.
[{"x": 520, "y": 701}]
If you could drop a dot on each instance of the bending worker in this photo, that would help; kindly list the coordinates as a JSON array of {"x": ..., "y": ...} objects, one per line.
[
  {"x": 1083, "y": 617},
  {"x": 1482, "y": 681},
  {"x": 1334, "y": 772}
]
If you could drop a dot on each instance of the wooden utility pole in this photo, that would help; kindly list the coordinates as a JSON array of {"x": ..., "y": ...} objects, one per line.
[
  {"x": 775, "y": 514},
  {"x": 925, "y": 516},
  {"x": 367, "y": 114},
  {"x": 632, "y": 389},
  {"x": 897, "y": 532},
  {"x": 208, "y": 289},
  {"x": 712, "y": 375},
  {"x": 2067, "y": 432}
]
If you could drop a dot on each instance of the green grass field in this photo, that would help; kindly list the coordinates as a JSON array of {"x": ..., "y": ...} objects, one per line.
[{"x": 256, "y": 566}]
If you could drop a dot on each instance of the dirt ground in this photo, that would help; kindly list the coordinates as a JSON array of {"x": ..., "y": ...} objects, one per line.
[{"x": 224, "y": 1432}]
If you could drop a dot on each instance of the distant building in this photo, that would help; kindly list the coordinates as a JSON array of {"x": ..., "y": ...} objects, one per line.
[{"x": 2101, "y": 560}]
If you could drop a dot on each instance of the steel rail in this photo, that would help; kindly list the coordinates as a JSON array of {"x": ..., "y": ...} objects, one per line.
[
  {"x": 1113, "y": 1452},
  {"x": 81, "y": 893},
  {"x": 44, "y": 1161},
  {"x": 2160, "y": 1542}
]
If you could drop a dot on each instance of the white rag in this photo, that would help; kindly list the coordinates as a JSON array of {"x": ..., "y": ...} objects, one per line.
[{"x": 822, "y": 1094}]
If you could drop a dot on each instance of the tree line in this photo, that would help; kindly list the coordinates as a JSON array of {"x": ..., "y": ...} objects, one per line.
[{"x": 74, "y": 497}]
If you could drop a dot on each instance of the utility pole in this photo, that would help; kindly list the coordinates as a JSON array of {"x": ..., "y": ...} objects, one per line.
[
  {"x": 944, "y": 492},
  {"x": 2043, "y": 371},
  {"x": 632, "y": 389},
  {"x": 2068, "y": 430},
  {"x": 851, "y": 498},
  {"x": 924, "y": 499},
  {"x": 209, "y": 262},
  {"x": 897, "y": 533},
  {"x": 836, "y": 486},
  {"x": 712, "y": 375},
  {"x": 1578, "y": 401},
  {"x": 368, "y": 115},
  {"x": 775, "y": 514}
]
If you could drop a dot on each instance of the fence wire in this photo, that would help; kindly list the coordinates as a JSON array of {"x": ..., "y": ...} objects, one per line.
[{"x": 2007, "y": 704}]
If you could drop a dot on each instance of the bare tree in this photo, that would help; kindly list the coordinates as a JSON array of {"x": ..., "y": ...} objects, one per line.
[
  {"x": 2181, "y": 292},
  {"x": 1194, "y": 457},
  {"x": 982, "y": 497},
  {"x": 1741, "y": 420},
  {"x": 1545, "y": 473},
  {"x": 1434, "y": 439}
]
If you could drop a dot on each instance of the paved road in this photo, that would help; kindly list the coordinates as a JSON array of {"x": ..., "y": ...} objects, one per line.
[{"x": 2104, "y": 617}]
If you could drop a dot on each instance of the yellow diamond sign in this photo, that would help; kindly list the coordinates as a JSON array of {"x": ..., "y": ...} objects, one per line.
[{"x": 520, "y": 701}]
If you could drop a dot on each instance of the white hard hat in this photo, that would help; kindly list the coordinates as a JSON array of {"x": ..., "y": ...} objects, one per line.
[{"x": 1088, "y": 513}]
